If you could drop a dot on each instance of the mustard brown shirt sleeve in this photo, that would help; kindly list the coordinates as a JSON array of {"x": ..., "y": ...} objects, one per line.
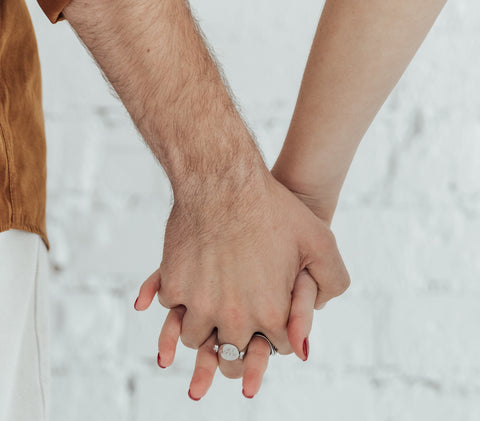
[
  {"x": 22, "y": 133},
  {"x": 53, "y": 8}
]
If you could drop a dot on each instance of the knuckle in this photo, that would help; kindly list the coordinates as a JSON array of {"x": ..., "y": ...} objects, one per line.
[
  {"x": 341, "y": 285},
  {"x": 347, "y": 281},
  {"x": 163, "y": 301},
  {"x": 344, "y": 282},
  {"x": 272, "y": 316},
  {"x": 325, "y": 239},
  {"x": 200, "y": 306},
  {"x": 232, "y": 317},
  {"x": 285, "y": 351},
  {"x": 189, "y": 342},
  {"x": 171, "y": 292},
  {"x": 276, "y": 319}
]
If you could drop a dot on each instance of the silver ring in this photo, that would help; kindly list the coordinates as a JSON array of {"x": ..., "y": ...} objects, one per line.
[
  {"x": 229, "y": 352},
  {"x": 273, "y": 348}
]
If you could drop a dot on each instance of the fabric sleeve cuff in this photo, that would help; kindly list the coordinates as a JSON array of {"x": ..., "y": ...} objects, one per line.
[{"x": 53, "y": 9}]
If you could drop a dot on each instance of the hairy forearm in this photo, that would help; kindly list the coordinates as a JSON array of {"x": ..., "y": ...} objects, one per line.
[
  {"x": 360, "y": 51},
  {"x": 155, "y": 58}
]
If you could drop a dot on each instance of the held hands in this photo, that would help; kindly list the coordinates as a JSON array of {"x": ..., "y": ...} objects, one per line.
[
  {"x": 238, "y": 261},
  {"x": 255, "y": 362}
]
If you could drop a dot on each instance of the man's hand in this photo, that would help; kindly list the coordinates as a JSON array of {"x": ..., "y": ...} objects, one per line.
[
  {"x": 255, "y": 362},
  {"x": 231, "y": 259}
]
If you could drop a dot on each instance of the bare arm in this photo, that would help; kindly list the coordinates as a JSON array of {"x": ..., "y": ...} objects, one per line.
[
  {"x": 236, "y": 238},
  {"x": 360, "y": 51},
  {"x": 156, "y": 60}
]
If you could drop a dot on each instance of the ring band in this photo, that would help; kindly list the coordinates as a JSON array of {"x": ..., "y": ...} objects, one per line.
[
  {"x": 230, "y": 352},
  {"x": 273, "y": 348}
]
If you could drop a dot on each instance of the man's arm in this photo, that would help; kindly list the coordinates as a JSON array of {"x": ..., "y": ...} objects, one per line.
[
  {"x": 360, "y": 50},
  {"x": 236, "y": 238},
  {"x": 157, "y": 62}
]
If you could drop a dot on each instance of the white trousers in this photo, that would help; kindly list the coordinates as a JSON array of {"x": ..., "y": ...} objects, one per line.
[{"x": 24, "y": 364}]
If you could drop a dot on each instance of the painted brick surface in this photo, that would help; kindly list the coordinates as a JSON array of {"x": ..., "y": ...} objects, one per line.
[{"x": 402, "y": 344}]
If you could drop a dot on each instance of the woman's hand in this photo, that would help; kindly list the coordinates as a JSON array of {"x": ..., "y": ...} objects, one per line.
[{"x": 255, "y": 362}]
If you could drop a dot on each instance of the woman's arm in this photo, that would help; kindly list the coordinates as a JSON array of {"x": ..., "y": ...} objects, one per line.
[{"x": 359, "y": 53}]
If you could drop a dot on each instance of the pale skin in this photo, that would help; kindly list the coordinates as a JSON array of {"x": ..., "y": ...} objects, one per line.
[
  {"x": 212, "y": 274},
  {"x": 353, "y": 65},
  {"x": 236, "y": 238}
]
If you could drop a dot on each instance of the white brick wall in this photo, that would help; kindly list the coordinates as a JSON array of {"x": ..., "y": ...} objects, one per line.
[{"x": 402, "y": 344}]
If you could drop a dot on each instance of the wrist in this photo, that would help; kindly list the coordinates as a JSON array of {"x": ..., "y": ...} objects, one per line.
[
  {"x": 221, "y": 179},
  {"x": 200, "y": 138},
  {"x": 321, "y": 201}
]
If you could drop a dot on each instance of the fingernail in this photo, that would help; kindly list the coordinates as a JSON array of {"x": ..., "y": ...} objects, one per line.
[
  {"x": 306, "y": 348},
  {"x": 158, "y": 361},
  {"x": 248, "y": 397},
  {"x": 191, "y": 397},
  {"x": 135, "y": 305}
]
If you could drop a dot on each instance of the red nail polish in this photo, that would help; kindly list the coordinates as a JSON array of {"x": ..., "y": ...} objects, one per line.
[
  {"x": 135, "y": 305},
  {"x": 306, "y": 348},
  {"x": 248, "y": 397},
  {"x": 158, "y": 361},
  {"x": 191, "y": 397}
]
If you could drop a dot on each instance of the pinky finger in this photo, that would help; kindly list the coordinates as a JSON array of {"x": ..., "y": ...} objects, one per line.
[{"x": 205, "y": 367}]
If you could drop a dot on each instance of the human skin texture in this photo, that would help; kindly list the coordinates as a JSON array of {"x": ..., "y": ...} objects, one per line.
[
  {"x": 236, "y": 238},
  {"x": 359, "y": 52}
]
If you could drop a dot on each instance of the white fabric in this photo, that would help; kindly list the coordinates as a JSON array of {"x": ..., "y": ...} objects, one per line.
[{"x": 24, "y": 364}]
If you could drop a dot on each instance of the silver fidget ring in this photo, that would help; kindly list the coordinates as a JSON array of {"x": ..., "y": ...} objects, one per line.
[
  {"x": 230, "y": 352},
  {"x": 273, "y": 348}
]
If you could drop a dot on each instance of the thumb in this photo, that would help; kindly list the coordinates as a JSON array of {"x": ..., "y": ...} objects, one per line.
[
  {"x": 328, "y": 270},
  {"x": 147, "y": 291},
  {"x": 301, "y": 313}
]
